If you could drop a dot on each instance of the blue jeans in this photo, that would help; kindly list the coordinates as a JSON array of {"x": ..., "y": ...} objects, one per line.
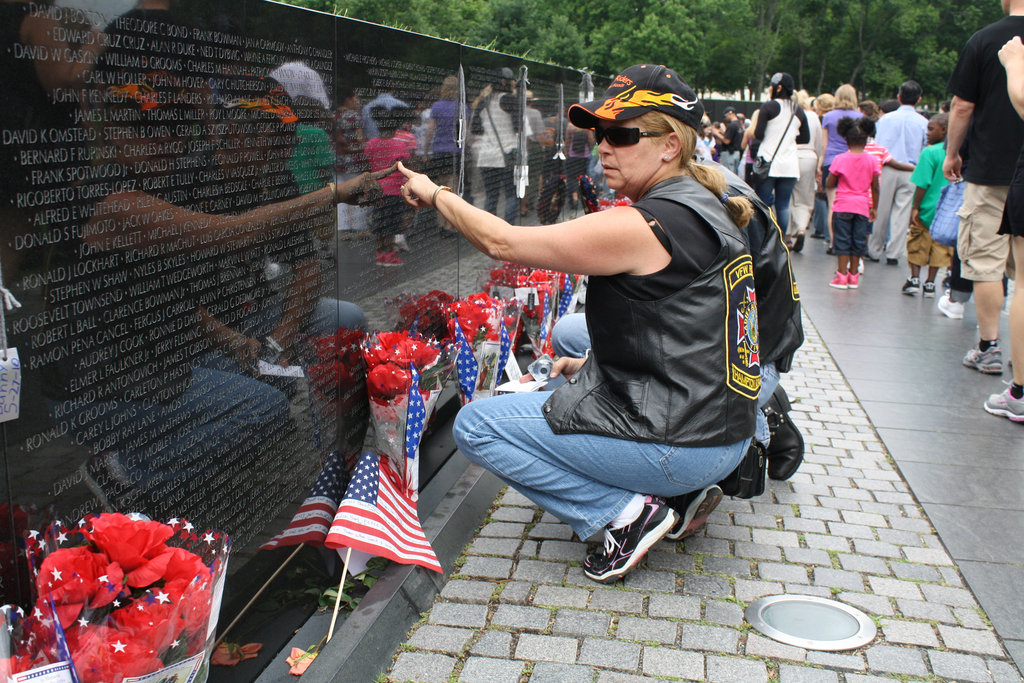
[
  {"x": 776, "y": 192},
  {"x": 731, "y": 160},
  {"x": 570, "y": 337},
  {"x": 582, "y": 479},
  {"x": 850, "y": 234},
  {"x": 498, "y": 181}
]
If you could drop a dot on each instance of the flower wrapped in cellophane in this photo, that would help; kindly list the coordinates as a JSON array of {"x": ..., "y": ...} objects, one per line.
[
  {"x": 404, "y": 376},
  {"x": 484, "y": 329},
  {"x": 130, "y": 597}
]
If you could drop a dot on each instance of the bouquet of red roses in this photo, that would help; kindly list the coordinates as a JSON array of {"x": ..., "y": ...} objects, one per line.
[
  {"x": 130, "y": 597},
  {"x": 404, "y": 376},
  {"x": 484, "y": 329}
]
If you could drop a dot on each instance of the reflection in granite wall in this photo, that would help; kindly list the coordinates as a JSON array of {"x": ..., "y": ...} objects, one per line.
[{"x": 168, "y": 225}]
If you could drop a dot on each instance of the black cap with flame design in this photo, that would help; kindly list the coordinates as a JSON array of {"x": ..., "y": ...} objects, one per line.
[{"x": 638, "y": 90}]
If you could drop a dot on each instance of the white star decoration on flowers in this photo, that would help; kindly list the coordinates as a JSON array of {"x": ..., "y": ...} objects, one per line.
[
  {"x": 118, "y": 646},
  {"x": 103, "y": 579},
  {"x": 162, "y": 597},
  {"x": 209, "y": 538},
  {"x": 83, "y": 622},
  {"x": 172, "y": 521},
  {"x": 56, "y": 574},
  {"x": 38, "y": 613},
  {"x": 137, "y": 517},
  {"x": 188, "y": 526},
  {"x": 174, "y": 643},
  {"x": 61, "y": 537}
]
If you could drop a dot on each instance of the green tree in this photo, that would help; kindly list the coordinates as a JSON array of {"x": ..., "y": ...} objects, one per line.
[{"x": 718, "y": 45}]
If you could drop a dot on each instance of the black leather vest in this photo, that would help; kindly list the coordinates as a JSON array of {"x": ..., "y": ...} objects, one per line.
[
  {"x": 778, "y": 299},
  {"x": 682, "y": 370}
]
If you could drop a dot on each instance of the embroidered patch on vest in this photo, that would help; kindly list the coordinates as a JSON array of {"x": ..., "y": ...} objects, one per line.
[{"x": 743, "y": 373}]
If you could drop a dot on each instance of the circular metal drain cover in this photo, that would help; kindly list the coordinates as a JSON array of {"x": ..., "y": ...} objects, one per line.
[{"x": 810, "y": 622}]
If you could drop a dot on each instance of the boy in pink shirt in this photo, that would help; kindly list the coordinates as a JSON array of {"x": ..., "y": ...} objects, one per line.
[{"x": 854, "y": 174}]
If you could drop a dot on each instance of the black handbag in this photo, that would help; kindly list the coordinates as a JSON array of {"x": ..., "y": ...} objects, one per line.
[
  {"x": 760, "y": 169},
  {"x": 750, "y": 476}
]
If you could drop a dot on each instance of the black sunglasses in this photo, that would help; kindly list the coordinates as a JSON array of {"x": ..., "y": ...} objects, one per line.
[{"x": 618, "y": 136}]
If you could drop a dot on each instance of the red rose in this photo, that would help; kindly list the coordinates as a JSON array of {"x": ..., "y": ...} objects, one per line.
[
  {"x": 386, "y": 382},
  {"x": 151, "y": 620},
  {"x": 78, "y": 577},
  {"x": 184, "y": 564},
  {"x": 396, "y": 347},
  {"x": 131, "y": 543},
  {"x": 106, "y": 655}
]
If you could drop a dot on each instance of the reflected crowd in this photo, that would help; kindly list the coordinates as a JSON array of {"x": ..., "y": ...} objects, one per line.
[{"x": 193, "y": 201}]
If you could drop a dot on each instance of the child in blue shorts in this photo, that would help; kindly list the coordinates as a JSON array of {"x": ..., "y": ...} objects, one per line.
[{"x": 854, "y": 174}]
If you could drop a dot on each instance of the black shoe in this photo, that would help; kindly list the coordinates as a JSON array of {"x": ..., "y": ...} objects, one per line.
[
  {"x": 786, "y": 446},
  {"x": 798, "y": 244},
  {"x": 892, "y": 261},
  {"x": 830, "y": 252},
  {"x": 816, "y": 236},
  {"x": 693, "y": 509},
  {"x": 626, "y": 546},
  {"x": 872, "y": 259},
  {"x": 912, "y": 286}
]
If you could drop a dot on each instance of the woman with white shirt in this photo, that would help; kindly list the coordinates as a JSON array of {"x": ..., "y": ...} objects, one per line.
[
  {"x": 781, "y": 126},
  {"x": 809, "y": 156}
]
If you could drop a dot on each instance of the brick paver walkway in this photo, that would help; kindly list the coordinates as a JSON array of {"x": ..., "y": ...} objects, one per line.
[{"x": 845, "y": 526}]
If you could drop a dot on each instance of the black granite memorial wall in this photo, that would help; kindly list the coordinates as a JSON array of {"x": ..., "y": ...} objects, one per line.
[{"x": 166, "y": 231}]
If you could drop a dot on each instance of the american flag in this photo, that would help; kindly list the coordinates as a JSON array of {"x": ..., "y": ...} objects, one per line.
[
  {"x": 504, "y": 349},
  {"x": 566, "y": 297},
  {"x": 313, "y": 519},
  {"x": 416, "y": 420},
  {"x": 466, "y": 363},
  {"x": 545, "y": 320},
  {"x": 378, "y": 517}
]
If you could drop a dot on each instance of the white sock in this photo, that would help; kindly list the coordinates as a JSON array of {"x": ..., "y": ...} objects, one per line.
[{"x": 629, "y": 513}]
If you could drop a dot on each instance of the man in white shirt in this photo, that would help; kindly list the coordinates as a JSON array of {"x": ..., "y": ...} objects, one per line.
[{"x": 903, "y": 133}]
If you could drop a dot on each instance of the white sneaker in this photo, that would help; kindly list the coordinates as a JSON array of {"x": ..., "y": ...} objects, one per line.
[
  {"x": 950, "y": 309},
  {"x": 401, "y": 243}
]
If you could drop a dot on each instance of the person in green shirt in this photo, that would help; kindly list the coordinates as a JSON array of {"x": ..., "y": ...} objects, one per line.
[{"x": 922, "y": 250}]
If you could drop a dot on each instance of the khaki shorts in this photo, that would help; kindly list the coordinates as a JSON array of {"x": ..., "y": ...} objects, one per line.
[
  {"x": 922, "y": 250},
  {"x": 984, "y": 253}
]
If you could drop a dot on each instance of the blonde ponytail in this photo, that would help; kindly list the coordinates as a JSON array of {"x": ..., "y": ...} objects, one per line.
[{"x": 739, "y": 207}]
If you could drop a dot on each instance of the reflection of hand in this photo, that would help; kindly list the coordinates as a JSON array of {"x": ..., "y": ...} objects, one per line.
[
  {"x": 362, "y": 189},
  {"x": 245, "y": 351}
]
